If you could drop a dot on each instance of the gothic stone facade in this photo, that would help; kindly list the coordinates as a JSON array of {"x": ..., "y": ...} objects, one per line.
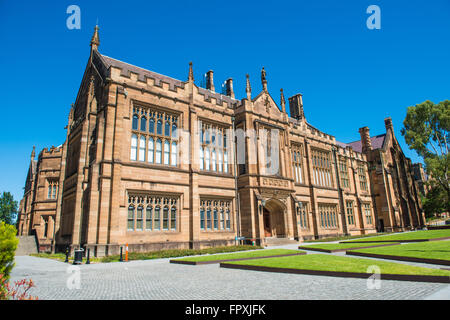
[{"x": 155, "y": 162}]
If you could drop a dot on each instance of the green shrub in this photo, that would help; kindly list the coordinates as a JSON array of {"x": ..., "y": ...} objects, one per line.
[{"x": 8, "y": 246}]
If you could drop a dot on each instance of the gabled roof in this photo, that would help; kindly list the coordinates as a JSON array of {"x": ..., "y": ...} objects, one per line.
[
  {"x": 377, "y": 143},
  {"x": 158, "y": 78}
]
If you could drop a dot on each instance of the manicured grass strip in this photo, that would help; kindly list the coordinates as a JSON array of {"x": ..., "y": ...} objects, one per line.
[
  {"x": 216, "y": 258},
  {"x": 337, "y": 266},
  {"x": 337, "y": 247},
  {"x": 346, "y": 237},
  {"x": 436, "y": 252},
  {"x": 154, "y": 254},
  {"x": 425, "y": 235}
]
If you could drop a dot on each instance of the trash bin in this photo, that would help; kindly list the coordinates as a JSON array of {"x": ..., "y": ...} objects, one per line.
[{"x": 78, "y": 258}]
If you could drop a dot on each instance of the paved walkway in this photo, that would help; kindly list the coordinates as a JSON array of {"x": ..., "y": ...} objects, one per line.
[{"x": 159, "y": 279}]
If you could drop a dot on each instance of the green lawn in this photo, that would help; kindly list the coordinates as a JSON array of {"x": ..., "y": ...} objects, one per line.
[
  {"x": 427, "y": 250},
  {"x": 241, "y": 255},
  {"x": 337, "y": 246},
  {"x": 345, "y": 237},
  {"x": 413, "y": 235},
  {"x": 322, "y": 262}
]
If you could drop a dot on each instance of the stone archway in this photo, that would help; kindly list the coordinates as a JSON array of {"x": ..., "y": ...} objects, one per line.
[{"x": 274, "y": 221}]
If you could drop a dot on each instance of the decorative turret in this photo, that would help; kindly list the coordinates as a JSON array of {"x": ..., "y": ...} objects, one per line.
[
  {"x": 282, "y": 101},
  {"x": 191, "y": 73},
  {"x": 33, "y": 153},
  {"x": 95, "y": 41},
  {"x": 248, "y": 88},
  {"x": 263, "y": 79}
]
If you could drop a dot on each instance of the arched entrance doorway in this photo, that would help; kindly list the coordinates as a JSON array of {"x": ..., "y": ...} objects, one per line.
[{"x": 274, "y": 219}]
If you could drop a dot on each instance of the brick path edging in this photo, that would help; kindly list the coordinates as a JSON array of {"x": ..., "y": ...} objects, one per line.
[
  {"x": 194, "y": 263},
  {"x": 398, "y": 277},
  {"x": 399, "y": 241},
  {"x": 399, "y": 258}
]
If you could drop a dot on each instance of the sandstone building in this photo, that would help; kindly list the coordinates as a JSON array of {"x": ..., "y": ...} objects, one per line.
[{"x": 155, "y": 162}]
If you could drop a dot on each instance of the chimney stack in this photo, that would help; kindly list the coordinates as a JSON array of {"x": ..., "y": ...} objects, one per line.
[
  {"x": 210, "y": 80},
  {"x": 229, "y": 87},
  {"x": 296, "y": 106},
  {"x": 366, "y": 143},
  {"x": 388, "y": 124}
]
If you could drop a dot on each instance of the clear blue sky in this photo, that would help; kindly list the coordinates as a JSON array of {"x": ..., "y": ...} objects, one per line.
[{"x": 349, "y": 76}]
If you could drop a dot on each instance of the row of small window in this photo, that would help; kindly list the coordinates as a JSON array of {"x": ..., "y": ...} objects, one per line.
[
  {"x": 328, "y": 217},
  {"x": 220, "y": 219},
  {"x": 366, "y": 210},
  {"x": 151, "y": 126},
  {"x": 213, "y": 160},
  {"x": 153, "y": 152},
  {"x": 153, "y": 219}
]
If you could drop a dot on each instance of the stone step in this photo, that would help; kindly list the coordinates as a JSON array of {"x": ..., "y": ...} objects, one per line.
[
  {"x": 280, "y": 241},
  {"x": 26, "y": 246}
]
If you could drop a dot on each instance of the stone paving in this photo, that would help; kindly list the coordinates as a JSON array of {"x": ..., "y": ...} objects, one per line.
[{"x": 161, "y": 280}]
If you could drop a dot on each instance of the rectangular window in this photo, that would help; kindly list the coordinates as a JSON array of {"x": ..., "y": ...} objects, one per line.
[
  {"x": 302, "y": 214},
  {"x": 215, "y": 214},
  {"x": 322, "y": 168},
  {"x": 368, "y": 213},
  {"x": 328, "y": 215},
  {"x": 213, "y": 147},
  {"x": 343, "y": 172},
  {"x": 169, "y": 139},
  {"x": 362, "y": 176},
  {"x": 350, "y": 213},
  {"x": 297, "y": 158}
]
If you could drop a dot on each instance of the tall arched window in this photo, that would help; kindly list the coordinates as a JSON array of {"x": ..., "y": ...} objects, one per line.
[
  {"x": 133, "y": 147},
  {"x": 202, "y": 159},
  {"x": 166, "y": 218},
  {"x": 225, "y": 162},
  {"x": 213, "y": 161},
  {"x": 167, "y": 128},
  {"x": 142, "y": 148},
  {"x": 208, "y": 218},
  {"x": 148, "y": 218},
  {"x": 140, "y": 218},
  {"x": 143, "y": 124},
  {"x": 216, "y": 219},
  {"x": 173, "y": 158},
  {"x": 174, "y": 131},
  {"x": 207, "y": 159},
  {"x": 220, "y": 160},
  {"x": 157, "y": 221},
  {"x": 135, "y": 122},
  {"x": 173, "y": 218},
  {"x": 151, "y": 150},
  {"x": 228, "y": 219},
  {"x": 202, "y": 218},
  {"x": 222, "y": 219},
  {"x": 130, "y": 225},
  {"x": 158, "y": 151},
  {"x": 159, "y": 127},
  {"x": 166, "y": 152},
  {"x": 151, "y": 125}
]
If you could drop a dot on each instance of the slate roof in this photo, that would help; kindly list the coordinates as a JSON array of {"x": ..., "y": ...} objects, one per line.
[{"x": 377, "y": 143}]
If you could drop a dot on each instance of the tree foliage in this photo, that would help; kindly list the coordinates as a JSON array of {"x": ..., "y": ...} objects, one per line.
[
  {"x": 8, "y": 208},
  {"x": 426, "y": 130},
  {"x": 8, "y": 246}
]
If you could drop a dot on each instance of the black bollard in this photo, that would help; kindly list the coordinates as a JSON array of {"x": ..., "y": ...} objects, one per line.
[
  {"x": 88, "y": 261},
  {"x": 121, "y": 259},
  {"x": 67, "y": 255}
]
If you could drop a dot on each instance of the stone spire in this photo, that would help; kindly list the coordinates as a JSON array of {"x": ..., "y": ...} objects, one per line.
[
  {"x": 33, "y": 153},
  {"x": 248, "y": 88},
  {"x": 95, "y": 41},
  {"x": 263, "y": 79},
  {"x": 282, "y": 101},
  {"x": 191, "y": 73}
]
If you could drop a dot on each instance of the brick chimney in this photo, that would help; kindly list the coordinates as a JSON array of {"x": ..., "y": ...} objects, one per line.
[
  {"x": 229, "y": 87},
  {"x": 210, "y": 80},
  {"x": 388, "y": 124},
  {"x": 366, "y": 143},
  {"x": 296, "y": 106}
]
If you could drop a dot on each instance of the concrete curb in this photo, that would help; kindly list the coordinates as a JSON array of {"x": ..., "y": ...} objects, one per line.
[{"x": 194, "y": 263}]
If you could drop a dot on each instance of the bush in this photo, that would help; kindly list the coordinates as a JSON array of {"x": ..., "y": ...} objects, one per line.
[{"x": 8, "y": 246}]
